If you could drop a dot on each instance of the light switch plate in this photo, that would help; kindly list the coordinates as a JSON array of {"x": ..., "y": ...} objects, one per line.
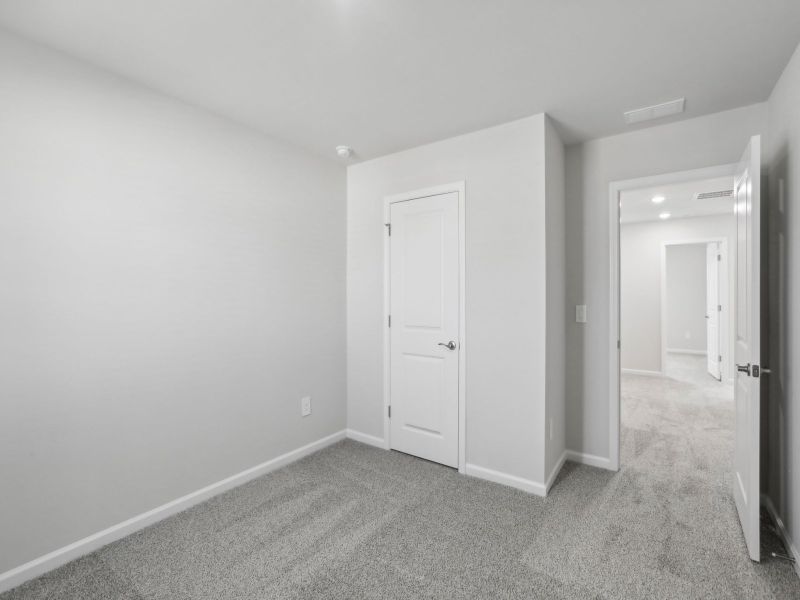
[{"x": 580, "y": 313}]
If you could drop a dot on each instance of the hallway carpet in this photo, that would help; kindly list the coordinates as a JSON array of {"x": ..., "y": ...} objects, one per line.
[{"x": 356, "y": 522}]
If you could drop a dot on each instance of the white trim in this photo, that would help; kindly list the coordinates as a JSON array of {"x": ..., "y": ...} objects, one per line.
[
  {"x": 38, "y": 566},
  {"x": 551, "y": 479},
  {"x": 460, "y": 188},
  {"x": 686, "y": 351},
  {"x": 766, "y": 502},
  {"x": 642, "y": 372},
  {"x": 614, "y": 336},
  {"x": 520, "y": 483},
  {"x": 365, "y": 438},
  {"x": 590, "y": 460}
]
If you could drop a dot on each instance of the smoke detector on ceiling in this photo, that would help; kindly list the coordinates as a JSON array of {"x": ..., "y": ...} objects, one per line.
[
  {"x": 344, "y": 152},
  {"x": 657, "y": 111}
]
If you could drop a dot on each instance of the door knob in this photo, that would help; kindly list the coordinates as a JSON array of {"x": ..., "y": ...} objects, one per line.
[
  {"x": 451, "y": 345},
  {"x": 743, "y": 368}
]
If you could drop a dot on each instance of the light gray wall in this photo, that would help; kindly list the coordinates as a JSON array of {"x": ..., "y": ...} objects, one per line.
[
  {"x": 781, "y": 335},
  {"x": 556, "y": 291},
  {"x": 505, "y": 286},
  {"x": 172, "y": 284},
  {"x": 694, "y": 143},
  {"x": 640, "y": 285},
  {"x": 686, "y": 290}
]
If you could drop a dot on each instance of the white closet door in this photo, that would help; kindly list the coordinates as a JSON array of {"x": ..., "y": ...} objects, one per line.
[{"x": 424, "y": 332}]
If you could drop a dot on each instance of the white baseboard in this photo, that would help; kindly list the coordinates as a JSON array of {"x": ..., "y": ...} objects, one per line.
[
  {"x": 48, "y": 562},
  {"x": 589, "y": 459},
  {"x": 519, "y": 483},
  {"x": 766, "y": 501},
  {"x": 554, "y": 473},
  {"x": 642, "y": 372},
  {"x": 365, "y": 438},
  {"x": 686, "y": 351}
]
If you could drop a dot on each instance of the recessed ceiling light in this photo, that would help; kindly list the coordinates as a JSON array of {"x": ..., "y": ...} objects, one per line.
[
  {"x": 665, "y": 215},
  {"x": 658, "y": 199},
  {"x": 344, "y": 151}
]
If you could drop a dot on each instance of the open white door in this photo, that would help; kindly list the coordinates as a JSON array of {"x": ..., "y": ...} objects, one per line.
[
  {"x": 714, "y": 359},
  {"x": 424, "y": 332},
  {"x": 747, "y": 349}
]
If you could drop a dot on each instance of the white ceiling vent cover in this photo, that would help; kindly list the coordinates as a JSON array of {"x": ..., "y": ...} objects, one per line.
[
  {"x": 657, "y": 111},
  {"x": 710, "y": 195}
]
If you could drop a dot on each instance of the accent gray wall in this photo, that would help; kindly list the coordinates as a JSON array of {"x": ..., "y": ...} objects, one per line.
[
  {"x": 691, "y": 144},
  {"x": 781, "y": 332},
  {"x": 172, "y": 284}
]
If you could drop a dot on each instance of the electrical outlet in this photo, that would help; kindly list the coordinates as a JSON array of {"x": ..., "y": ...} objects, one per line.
[{"x": 305, "y": 406}]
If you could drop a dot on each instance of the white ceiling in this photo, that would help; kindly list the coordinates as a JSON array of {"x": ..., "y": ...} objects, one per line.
[
  {"x": 637, "y": 205},
  {"x": 384, "y": 75}
]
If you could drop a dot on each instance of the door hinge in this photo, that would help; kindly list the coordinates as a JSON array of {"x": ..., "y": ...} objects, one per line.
[
  {"x": 719, "y": 257},
  {"x": 719, "y": 307},
  {"x": 390, "y": 411},
  {"x": 719, "y": 358},
  {"x": 390, "y": 320},
  {"x": 618, "y": 345},
  {"x": 388, "y": 228}
]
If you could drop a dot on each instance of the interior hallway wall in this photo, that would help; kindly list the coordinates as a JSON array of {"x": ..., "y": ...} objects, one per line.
[
  {"x": 641, "y": 247},
  {"x": 172, "y": 284},
  {"x": 705, "y": 141}
]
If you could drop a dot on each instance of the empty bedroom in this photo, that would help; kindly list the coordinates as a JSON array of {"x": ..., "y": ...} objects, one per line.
[{"x": 399, "y": 299}]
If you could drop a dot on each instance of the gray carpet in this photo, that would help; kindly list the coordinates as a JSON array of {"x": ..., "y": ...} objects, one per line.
[{"x": 355, "y": 522}]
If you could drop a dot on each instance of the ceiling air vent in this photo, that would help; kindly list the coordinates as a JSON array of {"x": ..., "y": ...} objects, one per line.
[
  {"x": 657, "y": 111},
  {"x": 710, "y": 195}
]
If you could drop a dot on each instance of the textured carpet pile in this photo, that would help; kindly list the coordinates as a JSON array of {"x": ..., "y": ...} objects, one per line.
[{"x": 356, "y": 522}]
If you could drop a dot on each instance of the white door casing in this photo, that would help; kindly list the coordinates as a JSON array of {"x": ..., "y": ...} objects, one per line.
[
  {"x": 424, "y": 335},
  {"x": 713, "y": 314},
  {"x": 747, "y": 330}
]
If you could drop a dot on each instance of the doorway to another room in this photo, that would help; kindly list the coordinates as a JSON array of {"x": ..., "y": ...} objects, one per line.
[
  {"x": 674, "y": 424},
  {"x": 696, "y": 305},
  {"x": 676, "y": 307}
]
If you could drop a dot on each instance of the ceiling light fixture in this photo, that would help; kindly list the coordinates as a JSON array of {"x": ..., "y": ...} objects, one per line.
[
  {"x": 664, "y": 216},
  {"x": 344, "y": 151},
  {"x": 658, "y": 199}
]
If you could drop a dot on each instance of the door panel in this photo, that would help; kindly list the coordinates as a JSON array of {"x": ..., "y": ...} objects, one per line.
[
  {"x": 424, "y": 306},
  {"x": 747, "y": 189},
  {"x": 712, "y": 310}
]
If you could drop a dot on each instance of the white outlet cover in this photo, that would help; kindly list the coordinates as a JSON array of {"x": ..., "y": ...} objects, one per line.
[{"x": 305, "y": 406}]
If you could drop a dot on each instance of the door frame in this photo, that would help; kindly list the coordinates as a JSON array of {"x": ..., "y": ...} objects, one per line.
[
  {"x": 458, "y": 187},
  {"x": 614, "y": 334},
  {"x": 726, "y": 305}
]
